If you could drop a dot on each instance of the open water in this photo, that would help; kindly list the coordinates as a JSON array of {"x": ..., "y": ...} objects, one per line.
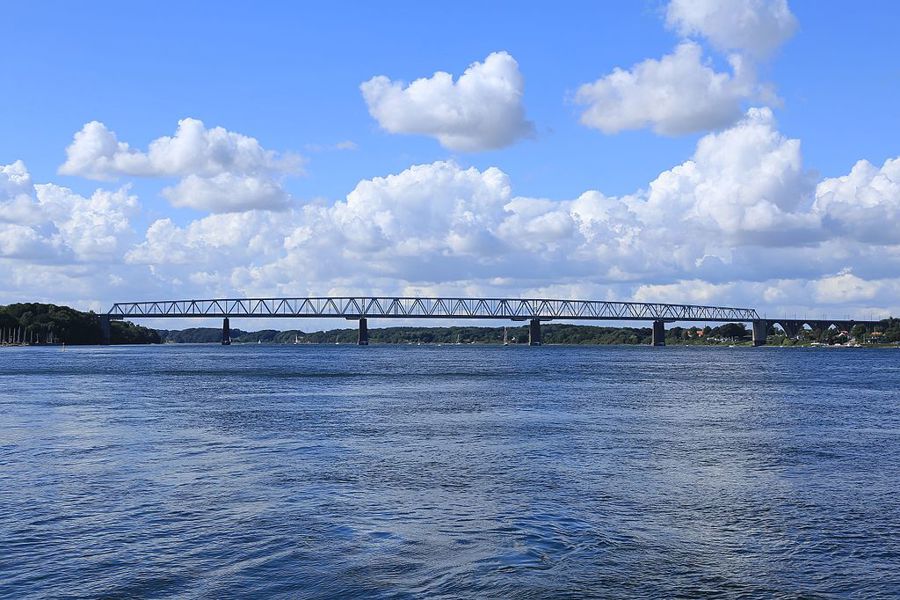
[{"x": 449, "y": 472}]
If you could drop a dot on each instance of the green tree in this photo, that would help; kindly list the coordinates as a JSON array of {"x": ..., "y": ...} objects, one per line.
[{"x": 732, "y": 330}]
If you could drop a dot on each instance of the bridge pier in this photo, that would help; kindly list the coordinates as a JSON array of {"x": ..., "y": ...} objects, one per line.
[
  {"x": 105, "y": 330},
  {"x": 760, "y": 331},
  {"x": 363, "y": 339},
  {"x": 534, "y": 332},
  {"x": 226, "y": 332},
  {"x": 659, "y": 333},
  {"x": 791, "y": 328}
]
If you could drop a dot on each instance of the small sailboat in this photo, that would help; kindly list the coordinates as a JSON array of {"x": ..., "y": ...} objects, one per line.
[{"x": 505, "y": 338}]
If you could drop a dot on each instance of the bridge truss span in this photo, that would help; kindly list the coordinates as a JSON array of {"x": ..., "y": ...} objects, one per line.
[{"x": 380, "y": 307}]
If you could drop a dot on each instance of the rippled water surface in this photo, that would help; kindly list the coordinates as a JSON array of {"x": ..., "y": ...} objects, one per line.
[{"x": 455, "y": 471}]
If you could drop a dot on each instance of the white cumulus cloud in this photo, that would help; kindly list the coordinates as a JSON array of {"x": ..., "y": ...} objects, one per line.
[
  {"x": 756, "y": 27},
  {"x": 481, "y": 110},
  {"x": 94, "y": 228},
  {"x": 694, "y": 291},
  {"x": 426, "y": 208},
  {"x": 47, "y": 223},
  {"x": 844, "y": 287},
  {"x": 97, "y": 153},
  {"x": 17, "y": 202},
  {"x": 862, "y": 202},
  {"x": 747, "y": 183},
  {"x": 227, "y": 192},
  {"x": 221, "y": 171},
  {"x": 682, "y": 92},
  {"x": 679, "y": 93}
]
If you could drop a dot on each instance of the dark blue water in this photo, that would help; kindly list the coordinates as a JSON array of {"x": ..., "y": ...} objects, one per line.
[{"x": 457, "y": 472}]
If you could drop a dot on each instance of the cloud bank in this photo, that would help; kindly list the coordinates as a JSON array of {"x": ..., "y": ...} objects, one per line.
[{"x": 742, "y": 221}]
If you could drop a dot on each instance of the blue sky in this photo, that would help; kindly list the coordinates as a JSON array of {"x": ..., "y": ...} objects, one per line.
[{"x": 288, "y": 75}]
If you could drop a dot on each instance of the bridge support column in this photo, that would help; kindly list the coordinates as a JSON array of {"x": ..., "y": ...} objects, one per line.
[
  {"x": 226, "y": 332},
  {"x": 760, "y": 331},
  {"x": 534, "y": 332},
  {"x": 363, "y": 339},
  {"x": 105, "y": 330},
  {"x": 659, "y": 333}
]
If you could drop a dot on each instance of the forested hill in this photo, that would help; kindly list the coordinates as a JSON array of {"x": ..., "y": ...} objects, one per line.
[
  {"x": 198, "y": 335},
  {"x": 33, "y": 323}
]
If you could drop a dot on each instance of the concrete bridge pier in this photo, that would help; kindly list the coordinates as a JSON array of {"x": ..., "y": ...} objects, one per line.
[
  {"x": 534, "y": 332},
  {"x": 659, "y": 333},
  {"x": 105, "y": 330},
  {"x": 226, "y": 332},
  {"x": 363, "y": 339},
  {"x": 760, "y": 330}
]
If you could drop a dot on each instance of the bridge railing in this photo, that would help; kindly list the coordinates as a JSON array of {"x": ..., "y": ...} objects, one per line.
[{"x": 354, "y": 307}]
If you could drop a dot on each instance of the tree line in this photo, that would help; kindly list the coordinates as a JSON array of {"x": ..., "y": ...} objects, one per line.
[
  {"x": 887, "y": 331},
  {"x": 35, "y": 323},
  {"x": 552, "y": 333}
]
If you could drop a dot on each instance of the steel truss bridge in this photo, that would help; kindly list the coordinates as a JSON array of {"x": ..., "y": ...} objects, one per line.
[
  {"x": 387, "y": 307},
  {"x": 535, "y": 310}
]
